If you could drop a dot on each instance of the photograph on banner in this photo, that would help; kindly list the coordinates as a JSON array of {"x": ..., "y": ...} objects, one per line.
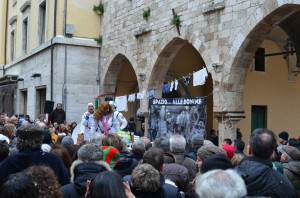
[{"x": 184, "y": 116}]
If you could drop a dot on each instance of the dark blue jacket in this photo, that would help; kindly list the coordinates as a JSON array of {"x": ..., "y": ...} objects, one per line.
[
  {"x": 22, "y": 160},
  {"x": 80, "y": 173},
  {"x": 262, "y": 180}
]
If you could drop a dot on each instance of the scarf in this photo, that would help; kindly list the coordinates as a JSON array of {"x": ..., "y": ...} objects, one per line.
[{"x": 105, "y": 124}]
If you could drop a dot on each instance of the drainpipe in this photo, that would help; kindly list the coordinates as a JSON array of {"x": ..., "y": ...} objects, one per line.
[
  {"x": 5, "y": 40},
  {"x": 64, "y": 89},
  {"x": 54, "y": 35}
]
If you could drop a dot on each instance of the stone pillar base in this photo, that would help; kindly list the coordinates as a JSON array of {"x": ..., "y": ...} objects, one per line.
[{"x": 227, "y": 124}]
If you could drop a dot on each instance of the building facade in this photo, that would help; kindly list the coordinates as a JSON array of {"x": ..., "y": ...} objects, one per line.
[
  {"x": 223, "y": 36},
  {"x": 249, "y": 48},
  {"x": 48, "y": 53}
]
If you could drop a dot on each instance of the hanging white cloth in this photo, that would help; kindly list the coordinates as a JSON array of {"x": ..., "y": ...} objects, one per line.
[
  {"x": 176, "y": 84},
  {"x": 172, "y": 86},
  {"x": 121, "y": 102},
  {"x": 199, "y": 77},
  {"x": 141, "y": 95},
  {"x": 131, "y": 98}
]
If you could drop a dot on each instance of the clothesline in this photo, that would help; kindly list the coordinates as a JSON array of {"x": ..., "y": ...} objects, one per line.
[{"x": 199, "y": 78}]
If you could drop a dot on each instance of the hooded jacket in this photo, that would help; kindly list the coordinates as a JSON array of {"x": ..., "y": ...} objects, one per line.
[
  {"x": 126, "y": 164},
  {"x": 262, "y": 180},
  {"x": 292, "y": 171},
  {"x": 80, "y": 173}
]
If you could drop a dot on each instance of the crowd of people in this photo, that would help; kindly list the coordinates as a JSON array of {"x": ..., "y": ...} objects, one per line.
[{"x": 37, "y": 161}]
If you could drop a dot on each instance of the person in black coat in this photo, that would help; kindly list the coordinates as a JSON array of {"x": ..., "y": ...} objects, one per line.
[
  {"x": 58, "y": 115},
  {"x": 88, "y": 165},
  {"x": 30, "y": 138},
  {"x": 257, "y": 170}
]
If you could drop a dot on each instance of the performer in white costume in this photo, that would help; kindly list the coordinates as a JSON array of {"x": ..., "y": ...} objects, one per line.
[
  {"x": 119, "y": 116},
  {"x": 104, "y": 119},
  {"x": 88, "y": 122}
]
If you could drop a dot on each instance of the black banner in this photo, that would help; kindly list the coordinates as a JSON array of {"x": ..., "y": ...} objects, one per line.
[{"x": 184, "y": 116}]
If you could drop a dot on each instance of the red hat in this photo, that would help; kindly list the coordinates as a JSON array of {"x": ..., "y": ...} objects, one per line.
[{"x": 229, "y": 150}]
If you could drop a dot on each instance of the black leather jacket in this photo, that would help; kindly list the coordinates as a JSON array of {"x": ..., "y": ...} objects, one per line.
[{"x": 262, "y": 180}]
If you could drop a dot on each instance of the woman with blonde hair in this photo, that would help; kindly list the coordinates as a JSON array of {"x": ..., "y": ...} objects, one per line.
[{"x": 104, "y": 119}]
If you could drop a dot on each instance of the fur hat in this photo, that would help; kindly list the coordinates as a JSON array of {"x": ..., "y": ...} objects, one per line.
[
  {"x": 229, "y": 150},
  {"x": 197, "y": 139},
  {"x": 216, "y": 161},
  {"x": 292, "y": 152},
  {"x": 284, "y": 135},
  {"x": 208, "y": 150},
  {"x": 111, "y": 155},
  {"x": 32, "y": 133},
  {"x": 67, "y": 141},
  {"x": 90, "y": 153}
]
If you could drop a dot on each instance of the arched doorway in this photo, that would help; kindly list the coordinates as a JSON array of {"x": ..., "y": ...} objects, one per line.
[
  {"x": 120, "y": 79},
  {"x": 266, "y": 61},
  {"x": 179, "y": 58}
]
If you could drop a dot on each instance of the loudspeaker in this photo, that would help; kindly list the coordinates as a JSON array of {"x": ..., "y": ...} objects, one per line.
[{"x": 49, "y": 106}]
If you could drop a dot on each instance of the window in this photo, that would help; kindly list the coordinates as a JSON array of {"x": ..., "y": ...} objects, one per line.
[
  {"x": 25, "y": 35},
  {"x": 40, "y": 101},
  {"x": 258, "y": 117},
  {"x": 260, "y": 60},
  {"x": 12, "y": 45},
  {"x": 42, "y": 23},
  {"x": 24, "y": 103}
]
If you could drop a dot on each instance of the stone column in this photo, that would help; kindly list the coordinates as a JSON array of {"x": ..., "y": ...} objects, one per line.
[
  {"x": 227, "y": 124},
  {"x": 146, "y": 114}
]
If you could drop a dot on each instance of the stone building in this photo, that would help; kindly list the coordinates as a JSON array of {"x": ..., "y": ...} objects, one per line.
[
  {"x": 249, "y": 48},
  {"x": 48, "y": 52}
]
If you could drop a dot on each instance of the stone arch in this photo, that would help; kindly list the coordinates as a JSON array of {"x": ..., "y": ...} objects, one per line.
[
  {"x": 257, "y": 26},
  {"x": 113, "y": 66},
  {"x": 171, "y": 43}
]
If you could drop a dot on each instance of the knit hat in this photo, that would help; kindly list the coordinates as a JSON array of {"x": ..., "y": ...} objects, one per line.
[
  {"x": 32, "y": 133},
  {"x": 197, "y": 139},
  {"x": 292, "y": 152},
  {"x": 208, "y": 150},
  {"x": 229, "y": 150},
  {"x": 90, "y": 153},
  {"x": 216, "y": 161},
  {"x": 284, "y": 135},
  {"x": 111, "y": 155},
  {"x": 67, "y": 141}
]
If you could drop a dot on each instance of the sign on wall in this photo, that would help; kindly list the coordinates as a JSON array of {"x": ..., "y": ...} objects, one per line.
[{"x": 184, "y": 116}]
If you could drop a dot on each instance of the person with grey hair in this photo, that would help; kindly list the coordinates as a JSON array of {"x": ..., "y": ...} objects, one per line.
[
  {"x": 145, "y": 182},
  {"x": 164, "y": 143},
  {"x": 146, "y": 142},
  {"x": 88, "y": 122},
  {"x": 177, "y": 147},
  {"x": 97, "y": 138},
  {"x": 138, "y": 150},
  {"x": 88, "y": 165},
  {"x": 173, "y": 170},
  {"x": 220, "y": 184}
]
